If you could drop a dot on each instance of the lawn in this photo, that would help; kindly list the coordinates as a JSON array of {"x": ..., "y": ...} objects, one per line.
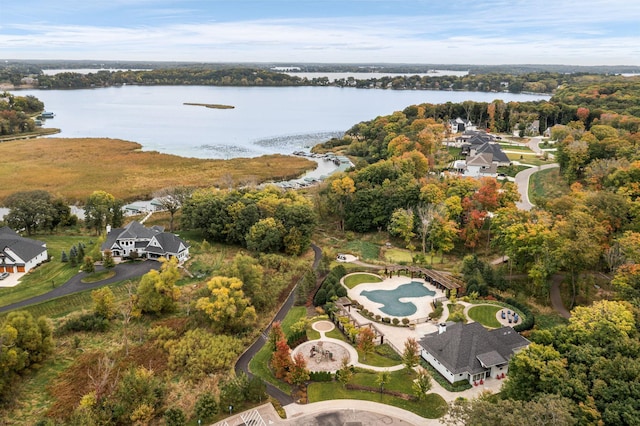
[
  {"x": 353, "y": 280},
  {"x": 365, "y": 249},
  {"x": 382, "y": 356},
  {"x": 53, "y": 273},
  {"x": 547, "y": 184},
  {"x": 397, "y": 255},
  {"x": 433, "y": 407},
  {"x": 485, "y": 315}
]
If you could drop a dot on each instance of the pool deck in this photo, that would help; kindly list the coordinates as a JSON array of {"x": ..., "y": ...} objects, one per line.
[{"x": 423, "y": 303}]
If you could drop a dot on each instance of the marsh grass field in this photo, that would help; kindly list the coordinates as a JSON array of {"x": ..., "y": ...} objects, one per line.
[{"x": 74, "y": 168}]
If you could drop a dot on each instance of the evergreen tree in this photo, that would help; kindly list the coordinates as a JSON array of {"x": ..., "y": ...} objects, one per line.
[{"x": 63, "y": 257}]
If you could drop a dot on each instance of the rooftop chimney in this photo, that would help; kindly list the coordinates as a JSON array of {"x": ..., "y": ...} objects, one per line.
[{"x": 442, "y": 327}]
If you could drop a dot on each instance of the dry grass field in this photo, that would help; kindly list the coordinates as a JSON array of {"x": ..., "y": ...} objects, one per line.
[{"x": 74, "y": 168}]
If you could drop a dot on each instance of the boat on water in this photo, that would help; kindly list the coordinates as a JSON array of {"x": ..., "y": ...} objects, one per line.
[{"x": 47, "y": 114}]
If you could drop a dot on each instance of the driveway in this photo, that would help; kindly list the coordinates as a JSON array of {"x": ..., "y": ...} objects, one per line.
[
  {"x": 124, "y": 271},
  {"x": 522, "y": 180}
]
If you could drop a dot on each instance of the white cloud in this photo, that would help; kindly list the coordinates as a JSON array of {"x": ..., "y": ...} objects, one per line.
[{"x": 580, "y": 33}]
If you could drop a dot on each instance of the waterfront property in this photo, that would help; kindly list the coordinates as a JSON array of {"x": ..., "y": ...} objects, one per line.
[
  {"x": 470, "y": 351},
  {"x": 18, "y": 254},
  {"x": 151, "y": 243}
]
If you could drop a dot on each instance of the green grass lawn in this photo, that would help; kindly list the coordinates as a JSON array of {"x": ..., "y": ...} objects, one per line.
[
  {"x": 353, "y": 280},
  {"x": 365, "y": 249},
  {"x": 485, "y": 315},
  {"x": 433, "y": 407},
  {"x": 98, "y": 276},
  {"x": 382, "y": 356},
  {"x": 41, "y": 279},
  {"x": 397, "y": 255}
]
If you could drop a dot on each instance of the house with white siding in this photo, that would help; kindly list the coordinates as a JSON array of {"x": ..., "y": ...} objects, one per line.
[
  {"x": 471, "y": 352},
  {"x": 19, "y": 254},
  {"x": 150, "y": 243}
]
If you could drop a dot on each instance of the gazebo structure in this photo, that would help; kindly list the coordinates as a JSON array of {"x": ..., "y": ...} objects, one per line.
[{"x": 440, "y": 280}]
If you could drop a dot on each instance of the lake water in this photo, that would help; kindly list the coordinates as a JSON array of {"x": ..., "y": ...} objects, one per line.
[{"x": 265, "y": 120}]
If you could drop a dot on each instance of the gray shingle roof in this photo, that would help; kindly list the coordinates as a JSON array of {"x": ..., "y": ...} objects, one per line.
[
  {"x": 26, "y": 248},
  {"x": 170, "y": 243},
  {"x": 461, "y": 346}
]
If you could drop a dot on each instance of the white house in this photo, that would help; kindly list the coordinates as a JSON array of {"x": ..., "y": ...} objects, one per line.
[
  {"x": 18, "y": 254},
  {"x": 470, "y": 351},
  {"x": 459, "y": 125},
  {"x": 151, "y": 243}
]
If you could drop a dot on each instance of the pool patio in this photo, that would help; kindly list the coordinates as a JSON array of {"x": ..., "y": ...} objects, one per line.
[{"x": 422, "y": 303}]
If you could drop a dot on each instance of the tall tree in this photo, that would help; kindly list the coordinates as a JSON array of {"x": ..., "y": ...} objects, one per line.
[
  {"x": 30, "y": 210},
  {"x": 365, "y": 341},
  {"x": 411, "y": 353},
  {"x": 172, "y": 199},
  {"x": 227, "y": 306},
  {"x": 102, "y": 209},
  {"x": 157, "y": 291}
]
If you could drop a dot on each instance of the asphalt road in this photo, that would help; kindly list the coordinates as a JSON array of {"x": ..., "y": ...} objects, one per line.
[
  {"x": 124, "y": 271},
  {"x": 247, "y": 356}
]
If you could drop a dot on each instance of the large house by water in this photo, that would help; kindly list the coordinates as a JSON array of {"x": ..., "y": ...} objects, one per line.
[
  {"x": 470, "y": 351},
  {"x": 19, "y": 254},
  {"x": 151, "y": 243}
]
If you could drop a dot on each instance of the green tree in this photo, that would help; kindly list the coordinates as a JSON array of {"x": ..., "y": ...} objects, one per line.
[
  {"x": 422, "y": 384},
  {"x": 102, "y": 209},
  {"x": 174, "y": 417},
  {"x": 157, "y": 291},
  {"x": 402, "y": 224},
  {"x": 382, "y": 379},
  {"x": 266, "y": 236},
  {"x": 411, "y": 353},
  {"x": 206, "y": 406},
  {"x": 24, "y": 343},
  {"x": 536, "y": 370},
  {"x": 88, "y": 266},
  {"x": 104, "y": 302},
  {"x": 30, "y": 210},
  {"x": 345, "y": 373},
  {"x": 227, "y": 306},
  {"x": 107, "y": 260}
]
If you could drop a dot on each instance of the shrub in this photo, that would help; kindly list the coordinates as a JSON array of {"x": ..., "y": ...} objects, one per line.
[
  {"x": 206, "y": 406},
  {"x": 405, "y": 321},
  {"x": 296, "y": 338},
  {"x": 174, "y": 417},
  {"x": 395, "y": 321},
  {"x": 88, "y": 322},
  {"x": 386, "y": 320},
  {"x": 378, "y": 317},
  {"x": 320, "y": 376}
]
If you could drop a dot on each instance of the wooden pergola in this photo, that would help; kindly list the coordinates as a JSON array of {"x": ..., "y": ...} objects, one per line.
[{"x": 441, "y": 280}]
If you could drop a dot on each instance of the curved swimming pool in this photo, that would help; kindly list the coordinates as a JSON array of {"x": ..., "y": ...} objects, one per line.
[{"x": 390, "y": 299}]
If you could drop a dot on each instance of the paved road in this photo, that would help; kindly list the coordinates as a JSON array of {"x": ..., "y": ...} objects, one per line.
[
  {"x": 522, "y": 180},
  {"x": 243, "y": 362},
  {"x": 124, "y": 271}
]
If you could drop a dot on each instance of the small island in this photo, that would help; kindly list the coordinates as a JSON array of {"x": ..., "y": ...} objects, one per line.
[{"x": 216, "y": 106}]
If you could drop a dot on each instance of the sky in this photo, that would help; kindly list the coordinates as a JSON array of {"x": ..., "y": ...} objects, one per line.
[{"x": 491, "y": 32}]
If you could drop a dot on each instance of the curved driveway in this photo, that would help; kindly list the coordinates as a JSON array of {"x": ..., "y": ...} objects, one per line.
[
  {"x": 522, "y": 180},
  {"x": 124, "y": 271},
  {"x": 242, "y": 365}
]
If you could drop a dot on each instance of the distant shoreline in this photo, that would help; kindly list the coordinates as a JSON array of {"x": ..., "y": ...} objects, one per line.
[{"x": 214, "y": 106}]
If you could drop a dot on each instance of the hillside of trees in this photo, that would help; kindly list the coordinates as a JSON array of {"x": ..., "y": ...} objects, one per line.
[{"x": 173, "y": 340}]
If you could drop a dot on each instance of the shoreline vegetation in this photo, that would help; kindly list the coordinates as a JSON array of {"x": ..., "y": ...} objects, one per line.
[
  {"x": 213, "y": 106},
  {"x": 75, "y": 167}
]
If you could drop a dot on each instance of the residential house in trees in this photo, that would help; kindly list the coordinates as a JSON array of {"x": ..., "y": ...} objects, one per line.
[
  {"x": 482, "y": 154},
  {"x": 471, "y": 352},
  {"x": 459, "y": 125},
  {"x": 150, "y": 243},
  {"x": 19, "y": 254}
]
